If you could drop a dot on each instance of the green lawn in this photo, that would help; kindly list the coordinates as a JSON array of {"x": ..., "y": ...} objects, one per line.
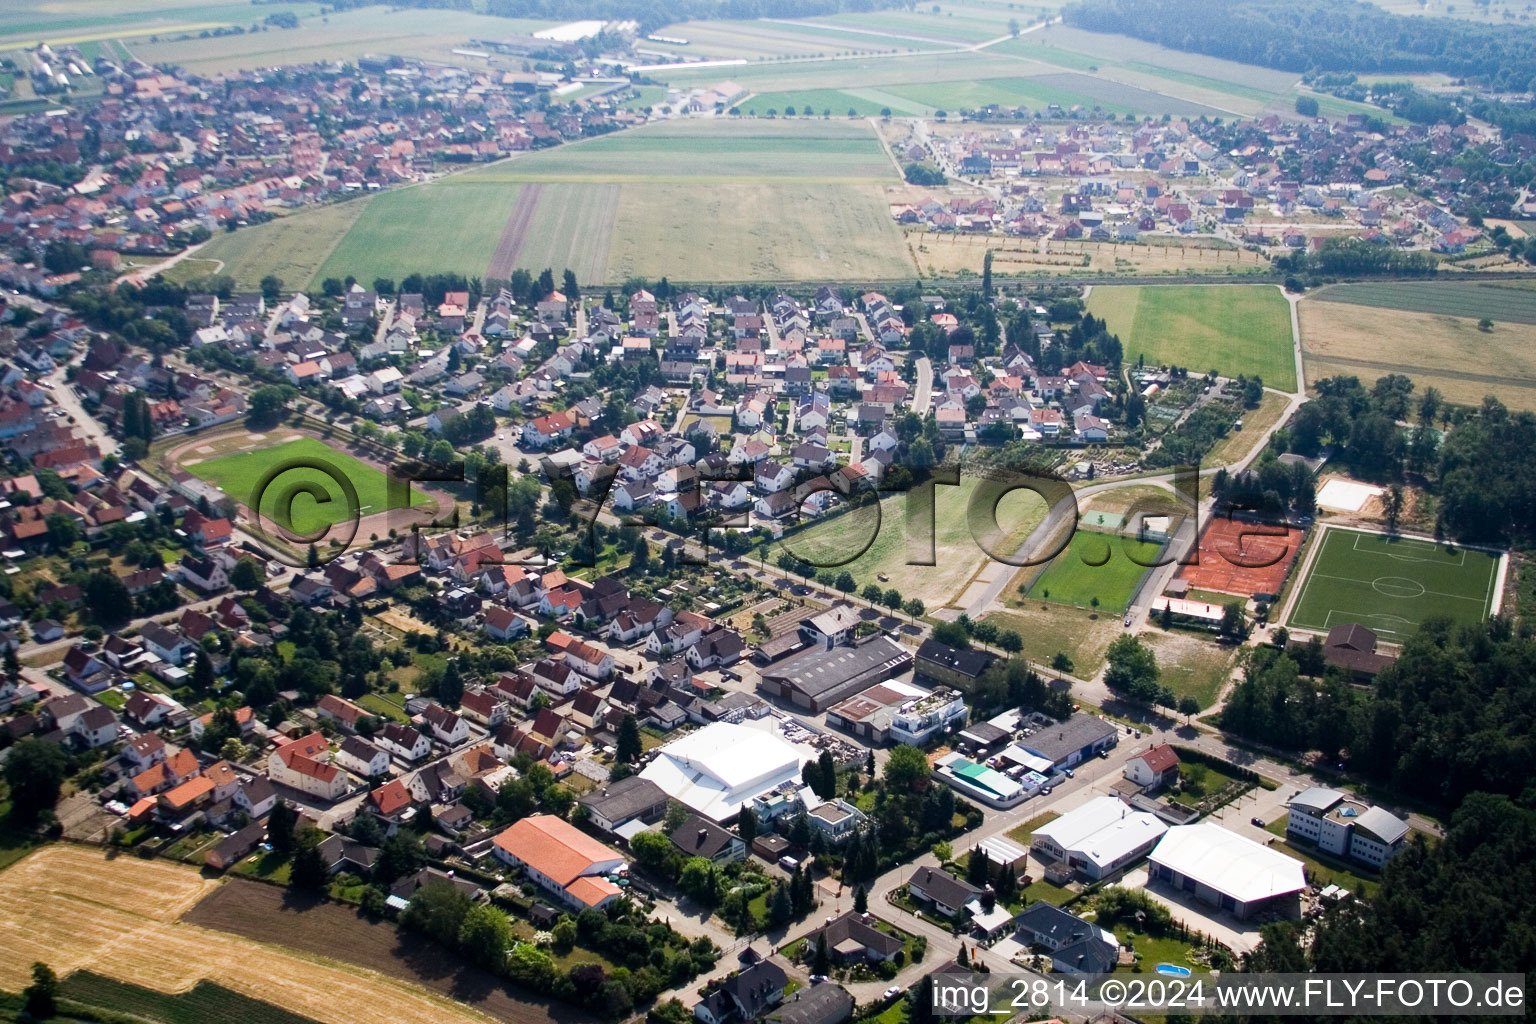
[
  {"x": 1022, "y": 834},
  {"x": 1322, "y": 872},
  {"x": 239, "y": 475},
  {"x": 1233, "y": 329},
  {"x": 205, "y": 1003},
  {"x": 383, "y": 706},
  {"x": 1095, "y": 565},
  {"x": 1391, "y": 584},
  {"x": 1154, "y": 951}
]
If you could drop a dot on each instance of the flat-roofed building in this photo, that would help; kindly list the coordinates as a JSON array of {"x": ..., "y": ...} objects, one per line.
[
  {"x": 897, "y": 711},
  {"x": 1338, "y": 824},
  {"x": 979, "y": 782},
  {"x": 1072, "y": 742},
  {"x": 817, "y": 679}
]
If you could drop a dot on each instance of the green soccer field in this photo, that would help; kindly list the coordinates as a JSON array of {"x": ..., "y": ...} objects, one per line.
[
  {"x": 239, "y": 474},
  {"x": 1392, "y": 584},
  {"x": 1233, "y": 329},
  {"x": 1095, "y": 565}
]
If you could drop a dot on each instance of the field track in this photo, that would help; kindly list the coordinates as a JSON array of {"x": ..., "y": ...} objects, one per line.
[
  {"x": 510, "y": 246},
  {"x": 72, "y": 908}
]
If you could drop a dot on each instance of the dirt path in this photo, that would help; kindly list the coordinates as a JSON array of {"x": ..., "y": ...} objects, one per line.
[{"x": 510, "y": 246}]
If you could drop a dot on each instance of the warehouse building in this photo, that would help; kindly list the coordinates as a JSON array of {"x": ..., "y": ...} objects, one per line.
[
  {"x": 817, "y": 679},
  {"x": 1227, "y": 870},
  {"x": 1099, "y": 838},
  {"x": 720, "y": 767}
]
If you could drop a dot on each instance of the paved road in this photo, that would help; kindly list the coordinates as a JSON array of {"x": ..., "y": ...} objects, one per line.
[
  {"x": 64, "y": 394},
  {"x": 923, "y": 396}
]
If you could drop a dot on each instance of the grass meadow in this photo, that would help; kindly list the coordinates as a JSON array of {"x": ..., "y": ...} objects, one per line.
[
  {"x": 1233, "y": 329},
  {"x": 292, "y": 247},
  {"x": 883, "y": 534}
]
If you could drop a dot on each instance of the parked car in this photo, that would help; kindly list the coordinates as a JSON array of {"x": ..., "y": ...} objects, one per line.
[
  {"x": 1069, "y": 773},
  {"x": 1257, "y": 822}
]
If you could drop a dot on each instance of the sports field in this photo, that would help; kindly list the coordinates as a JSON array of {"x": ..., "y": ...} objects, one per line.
[
  {"x": 1242, "y": 558},
  {"x": 1392, "y": 584},
  {"x": 892, "y": 533},
  {"x": 1233, "y": 329},
  {"x": 1095, "y": 565},
  {"x": 1436, "y": 349},
  {"x": 239, "y": 473}
]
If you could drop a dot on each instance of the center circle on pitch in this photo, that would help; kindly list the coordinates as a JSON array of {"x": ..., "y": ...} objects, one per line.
[{"x": 1397, "y": 586}]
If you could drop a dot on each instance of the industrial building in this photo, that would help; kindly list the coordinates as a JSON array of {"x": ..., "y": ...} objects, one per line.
[
  {"x": 723, "y": 766},
  {"x": 1227, "y": 870},
  {"x": 1072, "y": 742},
  {"x": 817, "y": 679},
  {"x": 1099, "y": 838},
  {"x": 979, "y": 782}
]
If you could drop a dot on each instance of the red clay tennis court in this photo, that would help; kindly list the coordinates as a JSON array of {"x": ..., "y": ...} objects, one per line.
[{"x": 1243, "y": 558}]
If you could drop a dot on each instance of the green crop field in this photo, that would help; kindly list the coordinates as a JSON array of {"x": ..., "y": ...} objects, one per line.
[
  {"x": 838, "y": 101},
  {"x": 1392, "y": 584},
  {"x": 292, "y": 247},
  {"x": 240, "y": 473},
  {"x": 571, "y": 226},
  {"x": 1233, "y": 329},
  {"x": 883, "y": 533},
  {"x": 448, "y": 225},
  {"x": 1095, "y": 565},
  {"x": 704, "y": 150},
  {"x": 1514, "y": 302},
  {"x": 205, "y": 1003}
]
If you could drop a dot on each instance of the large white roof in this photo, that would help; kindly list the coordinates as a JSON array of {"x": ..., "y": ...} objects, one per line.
[
  {"x": 1233, "y": 865},
  {"x": 1069, "y": 830},
  {"x": 1104, "y": 830},
  {"x": 722, "y": 766}
]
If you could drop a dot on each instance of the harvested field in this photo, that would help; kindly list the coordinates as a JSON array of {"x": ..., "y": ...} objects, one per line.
[
  {"x": 939, "y": 253},
  {"x": 1448, "y": 353},
  {"x": 77, "y": 910},
  {"x": 1239, "y": 444},
  {"x": 1243, "y": 558},
  {"x": 271, "y": 915},
  {"x": 765, "y": 232},
  {"x": 572, "y": 227}
]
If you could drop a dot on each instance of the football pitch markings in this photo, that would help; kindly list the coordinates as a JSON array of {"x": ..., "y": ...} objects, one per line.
[{"x": 1392, "y": 584}]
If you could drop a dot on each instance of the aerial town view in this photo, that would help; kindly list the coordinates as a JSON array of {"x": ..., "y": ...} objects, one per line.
[{"x": 804, "y": 511}]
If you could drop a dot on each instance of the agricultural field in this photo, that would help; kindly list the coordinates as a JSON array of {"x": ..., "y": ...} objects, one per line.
[
  {"x": 1095, "y": 566},
  {"x": 1240, "y": 444},
  {"x": 557, "y": 225},
  {"x": 1233, "y": 329},
  {"x": 829, "y": 102},
  {"x": 74, "y": 909},
  {"x": 205, "y": 1003},
  {"x": 761, "y": 232},
  {"x": 1512, "y": 302},
  {"x": 767, "y": 40},
  {"x": 338, "y": 35},
  {"x": 86, "y": 21},
  {"x": 448, "y": 225},
  {"x": 702, "y": 151},
  {"x": 292, "y": 247},
  {"x": 1446, "y": 352},
  {"x": 893, "y": 533},
  {"x": 939, "y": 253},
  {"x": 238, "y": 473},
  {"x": 1392, "y": 584}
]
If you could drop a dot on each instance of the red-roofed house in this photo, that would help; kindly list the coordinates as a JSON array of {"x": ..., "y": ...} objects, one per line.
[
  {"x": 563, "y": 860},
  {"x": 302, "y": 764},
  {"x": 1154, "y": 768}
]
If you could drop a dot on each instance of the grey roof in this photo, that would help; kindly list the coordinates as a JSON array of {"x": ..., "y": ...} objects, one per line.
[
  {"x": 819, "y": 673},
  {"x": 700, "y": 838},
  {"x": 968, "y": 662},
  {"x": 820, "y": 1004},
  {"x": 625, "y": 799},
  {"x": 1316, "y": 800},
  {"x": 754, "y": 988},
  {"x": 1072, "y": 938},
  {"x": 1059, "y": 741},
  {"x": 944, "y": 887},
  {"x": 1384, "y": 826}
]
